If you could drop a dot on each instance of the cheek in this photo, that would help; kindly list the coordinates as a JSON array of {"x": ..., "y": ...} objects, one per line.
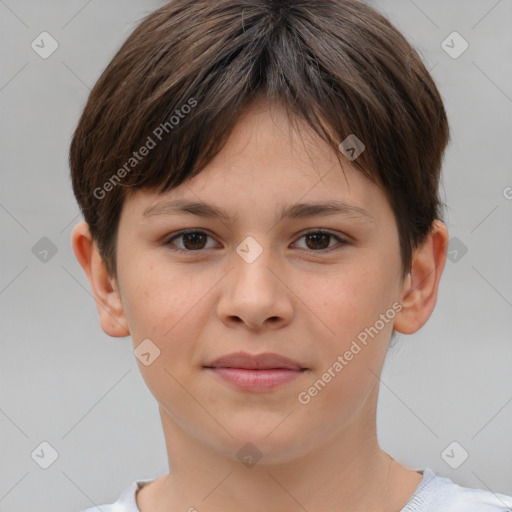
[
  {"x": 159, "y": 298},
  {"x": 165, "y": 307},
  {"x": 351, "y": 358},
  {"x": 169, "y": 306},
  {"x": 356, "y": 306},
  {"x": 347, "y": 302}
]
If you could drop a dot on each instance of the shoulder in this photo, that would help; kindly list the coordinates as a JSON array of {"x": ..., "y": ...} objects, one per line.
[
  {"x": 440, "y": 494},
  {"x": 126, "y": 501}
]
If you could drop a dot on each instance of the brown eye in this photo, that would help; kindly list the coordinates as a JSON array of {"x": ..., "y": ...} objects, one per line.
[
  {"x": 191, "y": 241},
  {"x": 319, "y": 240},
  {"x": 194, "y": 241}
]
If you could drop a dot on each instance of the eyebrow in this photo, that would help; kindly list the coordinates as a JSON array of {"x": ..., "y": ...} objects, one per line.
[{"x": 295, "y": 211}]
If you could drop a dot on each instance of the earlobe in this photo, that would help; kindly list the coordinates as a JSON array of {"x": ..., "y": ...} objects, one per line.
[
  {"x": 104, "y": 287},
  {"x": 419, "y": 291}
]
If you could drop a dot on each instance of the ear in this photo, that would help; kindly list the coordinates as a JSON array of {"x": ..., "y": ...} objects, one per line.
[
  {"x": 418, "y": 295},
  {"x": 104, "y": 287}
]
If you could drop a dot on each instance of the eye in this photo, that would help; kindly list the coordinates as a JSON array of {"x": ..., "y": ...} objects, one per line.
[
  {"x": 319, "y": 240},
  {"x": 193, "y": 240}
]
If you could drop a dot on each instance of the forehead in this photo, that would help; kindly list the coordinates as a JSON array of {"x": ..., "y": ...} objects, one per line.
[{"x": 267, "y": 163}]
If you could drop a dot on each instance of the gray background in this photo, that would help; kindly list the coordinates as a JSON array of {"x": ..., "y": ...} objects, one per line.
[{"x": 65, "y": 382}]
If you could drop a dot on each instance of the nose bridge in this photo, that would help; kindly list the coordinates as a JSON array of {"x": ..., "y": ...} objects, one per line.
[
  {"x": 252, "y": 292},
  {"x": 252, "y": 260}
]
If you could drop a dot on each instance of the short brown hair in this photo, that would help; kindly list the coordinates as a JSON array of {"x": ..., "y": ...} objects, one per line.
[{"x": 181, "y": 80}]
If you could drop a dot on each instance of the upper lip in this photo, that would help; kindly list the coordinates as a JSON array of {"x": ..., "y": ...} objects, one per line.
[{"x": 247, "y": 361}]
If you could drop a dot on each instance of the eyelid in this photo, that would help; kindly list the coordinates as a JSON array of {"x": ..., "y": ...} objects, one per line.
[
  {"x": 168, "y": 239},
  {"x": 342, "y": 240}
]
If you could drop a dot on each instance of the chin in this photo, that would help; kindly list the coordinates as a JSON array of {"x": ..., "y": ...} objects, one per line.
[{"x": 253, "y": 443}]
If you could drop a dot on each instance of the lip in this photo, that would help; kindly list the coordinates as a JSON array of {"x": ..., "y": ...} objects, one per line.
[
  {"x": 265, "y": 361},
  {"x": 256, "y": 372}
]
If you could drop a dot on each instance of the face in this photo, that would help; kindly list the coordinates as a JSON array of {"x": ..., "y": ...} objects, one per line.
[{"x": 318, "y": 287}]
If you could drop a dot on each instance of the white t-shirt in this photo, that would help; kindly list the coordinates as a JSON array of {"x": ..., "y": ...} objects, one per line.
[{"x": 434, "y": 494}]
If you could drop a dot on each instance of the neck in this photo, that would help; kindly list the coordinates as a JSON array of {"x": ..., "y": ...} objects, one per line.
[{"x": 348, "y": 473}]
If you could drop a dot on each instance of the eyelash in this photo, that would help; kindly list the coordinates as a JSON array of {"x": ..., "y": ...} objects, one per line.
[{"x": 180, "y": 234}]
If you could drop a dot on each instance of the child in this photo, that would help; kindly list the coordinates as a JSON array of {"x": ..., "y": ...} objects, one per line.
[{"x": 301, "y": 142}]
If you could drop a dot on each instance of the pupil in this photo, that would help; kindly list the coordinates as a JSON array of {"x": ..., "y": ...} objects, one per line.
[
  {"x": 316, "y": 237},
  {"x": 194, "y": 237}
]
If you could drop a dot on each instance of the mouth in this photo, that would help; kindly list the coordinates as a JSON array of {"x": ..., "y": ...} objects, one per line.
[{"x": 258, "y": 372}]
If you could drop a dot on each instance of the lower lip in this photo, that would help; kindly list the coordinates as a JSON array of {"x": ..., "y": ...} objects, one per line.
[{"x": 257, "y": 380}]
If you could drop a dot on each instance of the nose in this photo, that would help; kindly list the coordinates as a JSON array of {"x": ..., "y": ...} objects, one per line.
[{"x": 254, "y": 294}]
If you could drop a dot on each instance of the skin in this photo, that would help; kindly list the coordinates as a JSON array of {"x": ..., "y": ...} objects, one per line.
[{"x": 304, "y": 299}]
